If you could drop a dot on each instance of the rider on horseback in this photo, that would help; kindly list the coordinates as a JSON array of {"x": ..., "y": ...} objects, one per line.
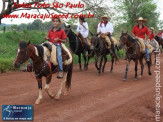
[
  {"x": 105, "y": 30},
  {"x": 82, "y": 32},
  {"x": 57, "y": 36},
  {"x": 160, "y": 33},
  {"x": 152, "y": 37},
  {"x": 139, "y": 31}
]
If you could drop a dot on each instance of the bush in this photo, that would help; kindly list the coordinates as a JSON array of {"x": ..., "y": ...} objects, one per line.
[{"x": 6, "y": 64}]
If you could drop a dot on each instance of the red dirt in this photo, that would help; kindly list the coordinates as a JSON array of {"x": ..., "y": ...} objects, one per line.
[{"x": 104, "y": 98}]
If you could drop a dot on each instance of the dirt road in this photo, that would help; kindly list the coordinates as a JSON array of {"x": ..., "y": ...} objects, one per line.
[{"x": 93, "y": 98}]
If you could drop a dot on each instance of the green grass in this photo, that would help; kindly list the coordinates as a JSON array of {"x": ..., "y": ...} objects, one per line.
[{"x": 9, "y": 44}]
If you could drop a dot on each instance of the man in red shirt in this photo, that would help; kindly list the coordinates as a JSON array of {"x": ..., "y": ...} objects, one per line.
[
  {"x": 139, "y": 32},
  {"x": 152, "y": 36},
  {"x": 159, "y": 33},
  {"x": 57, "y": 36}
]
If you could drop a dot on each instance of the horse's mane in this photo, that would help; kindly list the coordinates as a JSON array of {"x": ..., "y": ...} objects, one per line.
[
  {"x": 131, "y": 39},
  {"x": 22, "y": 44},
  {"x": 40, "y": 50}
]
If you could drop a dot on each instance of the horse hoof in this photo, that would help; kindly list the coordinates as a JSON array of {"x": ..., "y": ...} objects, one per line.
[
  {"x": 124, "y": 79},
  {"x": 140, "y": 76},
  {"x": 65, "y": 93},
  {"x": 150, "y": 73},
  {"x": 135, "y": 79},
  {"x": 57, "y": 97},
  {"x": 51, "y": 96},
  {"x": 38, "y": 101},
  {"x": 111, "y": 71}
]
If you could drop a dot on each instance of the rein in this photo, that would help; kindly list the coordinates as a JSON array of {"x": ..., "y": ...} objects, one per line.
[{"x": 130, "y": 47}]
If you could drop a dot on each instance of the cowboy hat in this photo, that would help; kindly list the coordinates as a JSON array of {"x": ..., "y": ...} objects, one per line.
[
  {"x": 141, "y": 19},
  {"x": 60, "y": 19},
  {"x": 152, "y": 28},
  {"x": 105, "y": 16}
]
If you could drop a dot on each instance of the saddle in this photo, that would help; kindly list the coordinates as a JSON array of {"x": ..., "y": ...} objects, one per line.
[
  {"x": 51, "y": 53},
  {"x": 82, "y": 40},
  {"x": 142, "y": 46},
  {"x": 156, "y": 43},
  {"x": 108, "y": 41}
]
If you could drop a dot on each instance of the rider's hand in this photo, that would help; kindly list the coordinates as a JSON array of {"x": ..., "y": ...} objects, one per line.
[
  {"x": 81, "y": 23},
  {"x": 136, "y": 37},
  {"x": 46, "y": 37},
  {"x": 56, "y": 39}
]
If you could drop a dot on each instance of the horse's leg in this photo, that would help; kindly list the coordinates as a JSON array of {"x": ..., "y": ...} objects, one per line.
[
  {"x": 142, "y": 66},
  {"x": 149, "y": 66},
  {"x": 127, "y": 68},
  {"x": 155, "y": 58},
  {"x": 85, "y": 61},
  {"x": 48, "y": 80},
  {"x": 99, "y": 71},
  {"x": 112, "y": 63},
  {"x": 88, "y": 59},
  {"x": 136, "y": 64},
  {"x": 62, "y": 83},
  {"x": 96, "y": 62},
  {"x": 105, "y": 60},
  {"x": 40, "y": 91},
  {"x": 79, "y": 60}
]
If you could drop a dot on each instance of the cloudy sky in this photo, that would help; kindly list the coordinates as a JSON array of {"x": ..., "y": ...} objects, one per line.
[{"x": 23, "y": 20}]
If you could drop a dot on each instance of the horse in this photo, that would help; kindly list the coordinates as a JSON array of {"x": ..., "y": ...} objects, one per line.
[
  {"x": 42, "y": 68},
  {"x": 133, "y": 53},
  {"x": 99, "y": 48},
  {"x": 160, "y": 41},
  {"x": 155, "y": 51},
  {"x": 76, "y": 47}
]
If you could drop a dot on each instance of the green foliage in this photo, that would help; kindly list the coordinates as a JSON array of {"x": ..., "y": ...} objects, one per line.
[
  {"x": 133, "y": 9},
  {"x": 6, "y": 64},
  {"x": 9, "y": 45}
]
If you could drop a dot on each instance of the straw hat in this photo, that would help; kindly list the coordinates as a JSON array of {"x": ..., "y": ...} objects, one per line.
[
  {"x": 61, "y": 20},
  {"x": 152, "y": 28},
  {"x": 105, "y": 16},
  {"x": 141, "y": 19}
]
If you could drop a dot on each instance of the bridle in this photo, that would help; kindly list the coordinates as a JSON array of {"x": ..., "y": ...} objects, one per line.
[{"x": 26, "y": 57}]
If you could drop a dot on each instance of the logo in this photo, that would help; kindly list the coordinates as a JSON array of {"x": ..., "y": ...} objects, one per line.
[{"x": 17, "y": 112}]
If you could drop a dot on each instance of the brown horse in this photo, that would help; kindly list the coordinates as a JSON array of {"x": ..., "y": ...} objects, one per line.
[
  {"x": 99, "y": 48},
  {"x": 160, "y": 41},
  {"x": 133, "y": 53},
  {"x": 77, "y": 47},
  {"x": 42, "y": 68}
]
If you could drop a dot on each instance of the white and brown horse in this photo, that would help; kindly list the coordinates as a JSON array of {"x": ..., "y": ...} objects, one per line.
[{"x": 43, "y": 68}]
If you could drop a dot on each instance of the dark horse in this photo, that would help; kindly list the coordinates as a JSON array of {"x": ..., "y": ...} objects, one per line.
[
  {"x": 159, "y": 40},
  {"x": 76, "y": 47},
  {"x": 98, "y": 47},
  {"x": 133, "y": 53},
  {"x": 42, "y": 69}
]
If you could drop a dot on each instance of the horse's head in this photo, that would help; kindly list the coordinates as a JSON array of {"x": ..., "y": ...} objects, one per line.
[
  {"x": 67, "y": 30},
  {"x": 22, "y": 53},
  {"x": 94, "y": 42},
  {"x": 123, "y": 39}
]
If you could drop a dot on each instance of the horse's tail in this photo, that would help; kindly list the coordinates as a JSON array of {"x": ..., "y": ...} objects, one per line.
[
  {"x": 116, "y": 57},
  {"x": 69, "y": 76}
]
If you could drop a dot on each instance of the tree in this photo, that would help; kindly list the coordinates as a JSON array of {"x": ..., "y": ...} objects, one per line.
[{"x": 133, "y": 9}]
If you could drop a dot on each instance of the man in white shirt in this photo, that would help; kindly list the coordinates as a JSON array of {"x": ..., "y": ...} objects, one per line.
[
  {"x": 83, "y": 30},
  {"x": 105, "y": 30}
]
